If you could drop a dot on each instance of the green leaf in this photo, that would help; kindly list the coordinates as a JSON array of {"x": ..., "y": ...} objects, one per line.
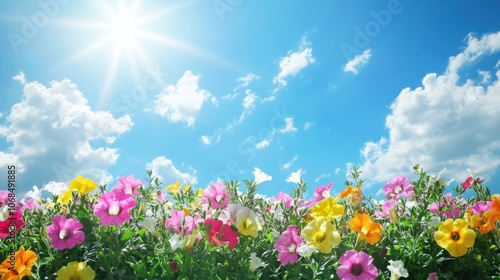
[{"x": 126, "y": 235}]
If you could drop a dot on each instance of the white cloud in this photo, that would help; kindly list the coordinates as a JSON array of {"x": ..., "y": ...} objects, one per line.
[
  {"x": 206, "y": 139},
  {"x": 321, "y": 177},
  {"x": 164, "y": 169},
  {"x": 183, "y": 101},
  {"x": 444, "y": 123},
  {"x": 20, "y": 78},
  {"x": 263, "y": 144},
  {"x": 293, "y": 63},
  {"x": 338, "y": 170},
  {"x": 289, "y": 128},
  {"x": 289, "y": 164},
  {"x": 358, "y": 61},
  {"x": 246, "y": 80},
  {"x": 55, "y": 135},
  {"x": 249, "y": 100}
]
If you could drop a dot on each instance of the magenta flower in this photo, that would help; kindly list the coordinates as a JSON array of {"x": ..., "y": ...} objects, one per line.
[
  {"x": 448, "y": 207},
  {"x": 216, "y": 195},
  {"x": 479, "y": 207},
  {"x": 6, "y": 225},
  {"x": 218, "y": 233},
  {"x": 285, "y": 198},
  {"x": 356, "y": 265},
  {"x": 322, "y": 191},
  {"x": 65, "y": 233},
  {"x": 397, "y": 187},
  {"x": 288, "y": 244},
  {"x": 182, "y": 224},
  {"x": 470, "y": 182},
  {"x": 128, "y": 185},
  {"x": 114, "y": 207},
  {"x": 386, "y": 207}
]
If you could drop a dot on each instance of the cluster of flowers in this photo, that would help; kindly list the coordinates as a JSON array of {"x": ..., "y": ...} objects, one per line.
[{"x": 343, "y": 236}]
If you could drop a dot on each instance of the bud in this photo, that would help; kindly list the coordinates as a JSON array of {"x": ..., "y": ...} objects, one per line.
[{"x": 393, "y": 216}]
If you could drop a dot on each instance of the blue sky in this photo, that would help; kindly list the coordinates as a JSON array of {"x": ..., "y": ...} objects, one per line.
[{"x": 201, "y": 90}]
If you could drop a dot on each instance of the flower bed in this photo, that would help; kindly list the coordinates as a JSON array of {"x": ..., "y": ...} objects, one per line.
[{"x": 146, "y": 231}]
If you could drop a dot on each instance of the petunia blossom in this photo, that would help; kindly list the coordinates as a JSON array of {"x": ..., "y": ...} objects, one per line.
[
  {"x": 397, "y": 187},
  {"x": 218, "y": 233},
  {"x": 322, "y": 192},
  {"x": 284, "y": 198},
  {"x": 114, "y": 207},
  {"x": 75, "y": 270},
  {"x": 397, "y": 269},
  {"x": 287, "y": 245},
  {"x": 65, "y": 233},
  {"x": 217, "y": 195},
  {"x": 23, "y": 264},
  {"x": 366, "y": 228},
  {"x": 356, "y": 265},
  {"x": 181, "y": 223},
  {"x": 260, "y": 176},
  {"x": 455, "y": 236},
  {"x": 295, "y": 177},
  {"x": 128, "y": 184}
]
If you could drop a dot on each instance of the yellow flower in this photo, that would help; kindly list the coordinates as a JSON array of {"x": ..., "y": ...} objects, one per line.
[
  {"x": 75, "y": 270},
  {"x": 328, "y": 209},
  {"x": 65, "y": 197},
  {"x": 24, "y": 261},
  {"x": 186, "y": 189},
  {"x": 366, "y": 228},
  {"x": 200, "y": 192},
  {"x": 174, "y": 188},
  {"x": 321, "y": 234},
  {"x": 455, "y": 236},
  {"x": 82, "y": 185},
  {"x": 247, "y": 222}
]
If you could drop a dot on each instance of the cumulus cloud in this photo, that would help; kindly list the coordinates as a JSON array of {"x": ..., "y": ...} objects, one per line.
[
  {"x": 53, "y": 134},
  {"x": 289, "y": 128},
  {"x": 263, "y": 144},
  {"x": 164, "y": 169},
  {"x": 447, "y": 122},
  {"x": 183, "y": 101},
  {"x": 293, "y": 63},
  {"x": 20, "y": 78},
  {"x": 358, "y": 61}
]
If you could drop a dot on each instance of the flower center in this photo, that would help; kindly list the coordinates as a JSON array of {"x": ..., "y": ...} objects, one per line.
[
  {"x": 63, "y": 234},
  {"x": 114, "y": 209},
  {"x": 356, "y": 269},
  {"x": 398, "y": 189},
  {"x": 292, "y": 248},
  {"x": 320, "y": 237},
  {"x": 455, "y": 236},
  {"x": 246, "y": 224}
]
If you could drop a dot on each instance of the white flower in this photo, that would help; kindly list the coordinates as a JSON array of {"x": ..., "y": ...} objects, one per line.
[
  {"x": 295, "y": 177},
  {"x": 305, "y": 250},
  {"x": 176, "y": 242},
  {"x": 4, "y": 213},
  {"x": 397, "y": 269},
  {"x": 149, "y": 223},
  {"x": 35, "y": 194},
  {"x": 260, "y": 176},
  {"x": 255, "y": 262},
  {"x": 55, "y": 188}
]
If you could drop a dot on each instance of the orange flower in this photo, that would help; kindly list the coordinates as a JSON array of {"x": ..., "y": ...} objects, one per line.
[
  {"x": 19, "y": 268},
  {"x": 484, "y": 222},
  {"x": 366, "y": 228},
  {"x": 353, "y": 193}
]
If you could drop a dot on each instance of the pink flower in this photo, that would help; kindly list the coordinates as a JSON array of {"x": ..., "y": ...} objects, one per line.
[
  {"x": 285, "y": 198},
  {"x": 182, "y": 224},
  {"x": 386, "y": 206},
  {"x": 356, "y": 265},
  {"x": 5, "y": 225},
  {"x": 128, "y": 185},
  {"x": 470, "y": 182},
  {"x": 447, "y": 207},
  {"x": 218, "y": 233},
  {"x": 229, "y": 214},
  {"x": 114, "y": 207},
  {"x": 30, "y": 205},
  {"x": 65, "y": 233},
  {"x": 432, "y": 276},
  {"x": 397, "y": 187},
  {"x": 321, "y": 192},
  {"x": 216, "y": 195},
  {"x": 479, "y": 207},
  {"x": 288, "y": 244}
]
